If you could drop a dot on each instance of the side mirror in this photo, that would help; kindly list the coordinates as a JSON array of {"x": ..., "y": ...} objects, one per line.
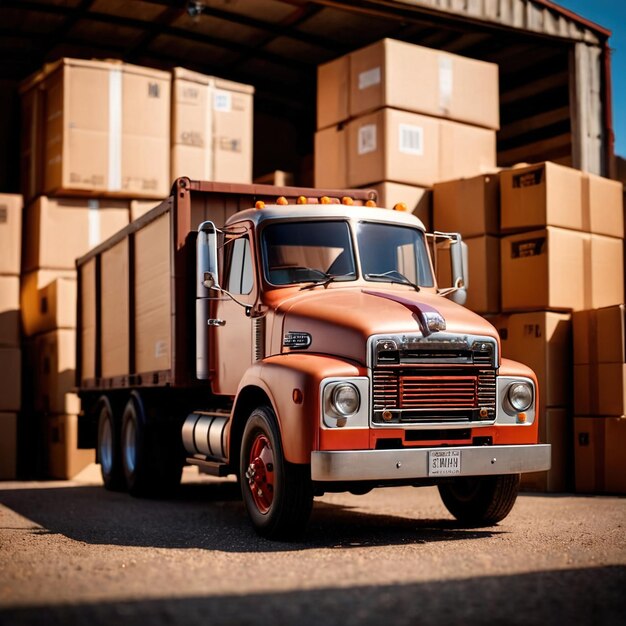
[
  {"x": 207, "y": 269},
  {"x": 451, "y": 265}
]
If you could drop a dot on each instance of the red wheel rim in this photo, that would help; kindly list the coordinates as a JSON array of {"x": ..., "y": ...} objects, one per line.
[{"x": 260, "y": 473}]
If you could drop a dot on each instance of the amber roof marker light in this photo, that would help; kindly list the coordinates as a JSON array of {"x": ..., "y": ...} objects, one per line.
[{"x": 259, "y": 205}]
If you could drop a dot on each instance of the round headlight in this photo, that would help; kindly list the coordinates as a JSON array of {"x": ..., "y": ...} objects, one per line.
[
  {"x": 520, "y": 396},
  {"x": 345, "y": 399}
]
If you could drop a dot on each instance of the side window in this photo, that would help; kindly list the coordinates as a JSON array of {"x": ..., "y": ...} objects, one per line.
[{"x": 240, "y": 276}]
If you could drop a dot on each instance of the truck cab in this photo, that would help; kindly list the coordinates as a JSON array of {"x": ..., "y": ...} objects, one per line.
[{"x": 327, "y": 359}]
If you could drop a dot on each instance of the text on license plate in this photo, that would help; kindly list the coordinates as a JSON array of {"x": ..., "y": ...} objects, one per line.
[{"x": 444, "y": 462}]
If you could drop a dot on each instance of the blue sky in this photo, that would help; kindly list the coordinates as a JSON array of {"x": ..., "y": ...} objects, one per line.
[{"x": 612, "y": 15}]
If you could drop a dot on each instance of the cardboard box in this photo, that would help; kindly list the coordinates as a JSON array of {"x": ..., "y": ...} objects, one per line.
[
  {"x": 603, "y": 205},
  {"x": 600, "y": 389},
  {"x": 55, "y": 303},
  {"x": 331, "y": 158},
  {"x": 333, "y": 89},
  {"x": 615, "y": 459},
  {"x": 10, "y": 233},
  {"x": 115, "y": 310},
  {"x": 604, "y": 271},
  {"x": 10, "y": 379},
  {"x": 394, "y": 146},
  {"x": 63, "y": 229},
  {"x": 542, "y": 340},
  {"x": 211, "y": 128},
  {"x": 470, "y": 206},
  {"x": 8, "y": 446},
  {"x": 65, "y": 460},
  {"x": 417, "y": 199},
  {"x": 465, "y": 150},
  {"x": 43, "y": 309},
  {"x": 9, "y": 311},
  {"x": 600, "y": 335},
  {"x": 106, "y": 127},
  {"x": 413, "y": 78},
  {"x": 277, "y": 178},
  {"x": 544, "y": 269},
  {"x": 54, "y": 356},
  {"x": 554, "y": 428},
  {"x": 541, "y": 195},
  {"x": 589, "y": 441},
  {"x": 483, "y": 285},
  {"x": 153, "y": 323}
]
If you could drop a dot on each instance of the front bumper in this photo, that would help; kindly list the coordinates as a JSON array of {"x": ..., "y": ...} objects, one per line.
[{"x": 355, "y": 465}]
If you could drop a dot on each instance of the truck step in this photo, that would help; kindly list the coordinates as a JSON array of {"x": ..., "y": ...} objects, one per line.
[{"x": 213, "y": 468}]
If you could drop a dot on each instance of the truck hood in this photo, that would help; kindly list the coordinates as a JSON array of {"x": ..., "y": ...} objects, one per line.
[{"x": 340, "y": 321}]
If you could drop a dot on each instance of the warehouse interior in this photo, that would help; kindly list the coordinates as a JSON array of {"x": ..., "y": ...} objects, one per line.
[
  {"x": 543, "y": 53},
  {"x": 535, "y": 165}
]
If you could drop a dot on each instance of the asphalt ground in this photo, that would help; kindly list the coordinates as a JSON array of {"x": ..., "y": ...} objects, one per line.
[{"x": 73, "y": 553}]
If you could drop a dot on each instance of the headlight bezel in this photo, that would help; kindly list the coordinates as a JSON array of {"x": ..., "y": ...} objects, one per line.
[
  {"x": 330, "y": 417},
  {"x": 511, "y": 407},
  {"x": 335, "y": 402}
]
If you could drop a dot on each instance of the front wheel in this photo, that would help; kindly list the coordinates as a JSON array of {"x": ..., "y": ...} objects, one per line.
[
  {"x": 480, "y": 501},
  {"x": 278, "y": 495}
]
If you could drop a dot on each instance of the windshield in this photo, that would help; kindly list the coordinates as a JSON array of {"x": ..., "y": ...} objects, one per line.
[
  {"x": 299, "y": 252},
  {"x": 391, "y": 253}
]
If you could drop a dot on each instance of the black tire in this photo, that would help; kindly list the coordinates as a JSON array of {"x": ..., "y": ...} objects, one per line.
[
  {"x": 481, "y": 501},
  {"x": 150, "y": 459},
  {"x": 108, "y": 451},
  {"x": 282, "y": 511}
]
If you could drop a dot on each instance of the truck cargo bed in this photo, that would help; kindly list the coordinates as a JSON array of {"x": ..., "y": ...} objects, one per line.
[{"x": 136, "y": 291}]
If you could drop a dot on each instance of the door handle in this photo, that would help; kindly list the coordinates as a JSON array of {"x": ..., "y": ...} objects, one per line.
[{"x": 216, "y": 322}]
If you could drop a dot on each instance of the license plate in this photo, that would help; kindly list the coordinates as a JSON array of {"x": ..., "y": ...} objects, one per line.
[{"x": 444, "y": 462}]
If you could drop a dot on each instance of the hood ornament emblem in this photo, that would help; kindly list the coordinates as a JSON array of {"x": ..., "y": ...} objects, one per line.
[{"x": 428, "y": 318}]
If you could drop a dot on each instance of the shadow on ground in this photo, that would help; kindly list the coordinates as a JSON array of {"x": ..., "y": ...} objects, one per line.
[
  {"x": 212, "y": 517},
  {"x": 572, "y": 597}
]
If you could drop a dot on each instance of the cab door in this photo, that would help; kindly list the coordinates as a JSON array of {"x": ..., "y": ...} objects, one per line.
[{"x": 231, "y": 327}]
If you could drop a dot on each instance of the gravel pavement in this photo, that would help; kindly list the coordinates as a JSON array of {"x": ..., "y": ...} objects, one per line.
[{"x": 72, "y": 553}]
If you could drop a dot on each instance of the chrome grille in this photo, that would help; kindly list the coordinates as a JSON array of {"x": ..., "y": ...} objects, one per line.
[{"x": 426, "y": 395}]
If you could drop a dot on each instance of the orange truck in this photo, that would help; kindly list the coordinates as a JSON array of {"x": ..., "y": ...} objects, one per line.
[{"x": 297, "y": 339}]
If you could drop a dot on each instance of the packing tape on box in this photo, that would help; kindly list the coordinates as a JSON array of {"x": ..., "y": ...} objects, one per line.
[
  {"x": 115, "y": 129},
  {"x": 446, "y": 83}
]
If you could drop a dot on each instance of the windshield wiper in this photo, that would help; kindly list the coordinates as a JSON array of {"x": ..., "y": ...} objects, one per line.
[
  {"x": 324, "y": 283},
  {"x": 400, "y": 280}
]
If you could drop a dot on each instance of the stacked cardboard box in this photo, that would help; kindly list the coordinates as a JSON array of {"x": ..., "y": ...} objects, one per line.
[
  {"x": 10, "y": 352},
  {"x": 471, "y": 207},
  {"x": 58, "y": 230},
  {"x": 600, "y": 399},
  {"x": 564, "y": 253},
  {"x": 96, "y": 127},
  {"x": 398, "y": 113},
  {"x": 211, "y": 128}
]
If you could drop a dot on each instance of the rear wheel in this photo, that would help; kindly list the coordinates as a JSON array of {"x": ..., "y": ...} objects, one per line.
[
  {"x": 278, "y": 495},
  {"x": 150, "y": 459},
  {"x": 481, "y": 501},
  {"x": 109, "y": 449}
]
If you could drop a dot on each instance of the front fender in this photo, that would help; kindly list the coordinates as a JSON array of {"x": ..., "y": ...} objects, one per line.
[{"x": 278, "y": 376}]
